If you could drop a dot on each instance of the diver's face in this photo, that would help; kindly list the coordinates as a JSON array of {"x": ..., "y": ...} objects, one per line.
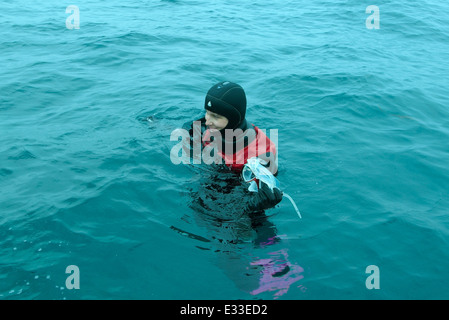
[{"x": 215, "y": 121}]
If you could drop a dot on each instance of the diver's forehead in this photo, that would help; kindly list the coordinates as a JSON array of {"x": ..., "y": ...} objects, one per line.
[{"x": 213, "y": 113}]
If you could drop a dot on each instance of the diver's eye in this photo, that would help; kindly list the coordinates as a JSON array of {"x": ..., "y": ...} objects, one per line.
[{"x": 214, "y": 116}]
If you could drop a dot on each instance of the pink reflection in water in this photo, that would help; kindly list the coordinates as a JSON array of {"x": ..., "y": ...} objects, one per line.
[{"x": 277, "y": 273}]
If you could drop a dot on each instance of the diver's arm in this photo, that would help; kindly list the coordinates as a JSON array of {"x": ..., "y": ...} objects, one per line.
[{"x": 264, "y": 199}]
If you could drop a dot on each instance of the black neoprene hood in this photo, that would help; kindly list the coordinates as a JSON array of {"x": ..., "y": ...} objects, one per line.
[{"x": 227, "y": 99}]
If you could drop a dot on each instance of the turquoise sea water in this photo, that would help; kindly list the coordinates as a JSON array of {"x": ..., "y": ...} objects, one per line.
[{"x": 86, "y": 178}]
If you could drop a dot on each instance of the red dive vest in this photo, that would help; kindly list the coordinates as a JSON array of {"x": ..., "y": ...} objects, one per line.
[{"x": 259, "y": 146}]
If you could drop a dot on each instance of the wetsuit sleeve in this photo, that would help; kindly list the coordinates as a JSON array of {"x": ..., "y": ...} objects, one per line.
[{"x": 264, "y": 199}]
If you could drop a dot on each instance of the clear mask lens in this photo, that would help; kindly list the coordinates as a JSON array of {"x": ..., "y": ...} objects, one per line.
[{"x": 247, "y": 174}]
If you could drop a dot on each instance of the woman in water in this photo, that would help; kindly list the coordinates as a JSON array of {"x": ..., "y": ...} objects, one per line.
[{"x": 230, "y": 139}]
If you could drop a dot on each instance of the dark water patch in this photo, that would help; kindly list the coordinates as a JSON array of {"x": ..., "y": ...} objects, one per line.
[
  {"x": 5, "y": 172},
  {"x": 22, "y": 155}
]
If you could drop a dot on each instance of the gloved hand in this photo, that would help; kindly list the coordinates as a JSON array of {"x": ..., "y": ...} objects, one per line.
[{"x": 265, "y": 198}]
